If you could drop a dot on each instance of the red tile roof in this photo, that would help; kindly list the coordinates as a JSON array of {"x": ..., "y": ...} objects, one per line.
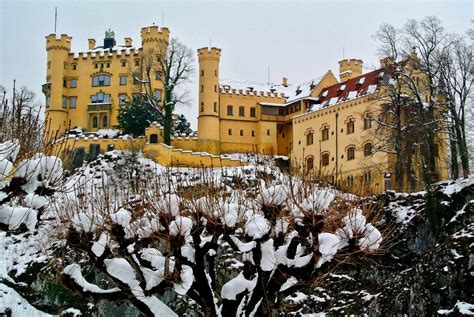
[{"x": 359, "y": 86}]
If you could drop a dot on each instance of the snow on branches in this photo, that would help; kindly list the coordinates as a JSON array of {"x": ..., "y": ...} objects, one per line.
[{"x": 233, "y": 241}]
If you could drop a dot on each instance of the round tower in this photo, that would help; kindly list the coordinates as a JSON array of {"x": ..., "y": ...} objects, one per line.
[
  {"x": 208, "y": 119},
  {"x": 56, "y": 111},
  {"x": 349, "y": 68}
]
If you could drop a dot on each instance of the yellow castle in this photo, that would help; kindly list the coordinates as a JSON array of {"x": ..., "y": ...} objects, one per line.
[{"x": 324, "y": 125}]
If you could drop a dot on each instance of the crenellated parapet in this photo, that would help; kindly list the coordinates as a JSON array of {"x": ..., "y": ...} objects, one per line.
[
  {"x": 251, "y": 93},
  {"x": 106, "y": 53},
  {"x": 61, "y": 43},
  {"x": 209, "y": 53},
  {"x": 154, "y": 34}
]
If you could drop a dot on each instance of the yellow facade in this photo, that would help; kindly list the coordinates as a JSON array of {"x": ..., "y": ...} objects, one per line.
[
  {"x": 324, "y": 136},
  {"x": 85, "y": 89}
]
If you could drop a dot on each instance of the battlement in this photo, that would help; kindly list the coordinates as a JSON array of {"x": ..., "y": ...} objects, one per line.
[
  {"x": 62, "y": 43},
  {"x": 153, "y": 33},
  {"x": 209, "y": 53},
  {"x": 101, "y": 53},
  {"x": 349, "y": 68},
  {"x": 251, "y": 93}
]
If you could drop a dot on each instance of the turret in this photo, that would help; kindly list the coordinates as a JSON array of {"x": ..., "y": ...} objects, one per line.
[
  {"x": 208, "y": 119},
  {"x": 349, "y": 68},
  {"x": 154, "y": 37},
  {"x": 56, "y": 114}
]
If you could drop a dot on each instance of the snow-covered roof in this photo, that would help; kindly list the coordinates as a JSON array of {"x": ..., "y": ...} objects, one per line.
[{"x": 291, "y": 92}]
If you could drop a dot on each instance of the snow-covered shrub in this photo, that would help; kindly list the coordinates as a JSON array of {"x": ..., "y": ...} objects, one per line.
[{"x": 230, "y": 249}]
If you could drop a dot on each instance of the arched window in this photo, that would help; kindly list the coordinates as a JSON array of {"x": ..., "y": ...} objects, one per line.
[
  {"x": 105, "y": 121},
  {"x": 101, "y": 80},
  {"x": 350, "y": 126},
  {"x": 350, "y": 153},
  {"x": 325, "y": 159},
  {"x": 368, "y": 149},
  {"x": 350, "y": 181},
  {"x": 153, "y": 138},
  {"x": 95, "y": 122}
]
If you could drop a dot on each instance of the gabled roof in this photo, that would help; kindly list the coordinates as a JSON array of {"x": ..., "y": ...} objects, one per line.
[{"x": 356, "y": 87}]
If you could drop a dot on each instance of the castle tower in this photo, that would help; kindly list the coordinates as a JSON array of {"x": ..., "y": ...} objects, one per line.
[
  {"x": 208, "y": 119},
  {"x": 56, "y": 94},
  {"x": 154, "y": 38},
  {"x": 349, "y": 68}
]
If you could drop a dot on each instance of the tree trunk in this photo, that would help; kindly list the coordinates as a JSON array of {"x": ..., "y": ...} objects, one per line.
[
  {"x": 168, "y": 106},
  {"x": 463, "y": 151},
  {"x": 454, "y": 153}
]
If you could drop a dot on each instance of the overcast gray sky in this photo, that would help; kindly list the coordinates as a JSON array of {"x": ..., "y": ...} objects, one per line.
[{"x": 300, "y": 40}]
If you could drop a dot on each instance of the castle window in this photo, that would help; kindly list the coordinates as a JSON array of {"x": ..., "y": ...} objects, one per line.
[
  {"x": 367, "y": 149},
  {"x": 72, "y": 102},
  {"x": 309, "y": 164},
  {"x": 253, "y": 112},
  {"x": 215, "y": 88},
  {"x": 48, "y": 101},
  {"x": 350, "y": 153},
  {"x": 101, "y": 65},
  {"x": 49, "y": 65},
  {"x": 202, "y": 73},
  {"x": 73, "y": 83},
  {"x": 95, "y": 122},
  {"x": 65, "y": 83},
  {"x": 367, "y": 122},
  {"x": 367, "y": 177},
  {"x": 158, "y": 94},
  {"x": 202, "y": 88},
  {"x": 124, "y": 63},
  {"x": 241, "y": 111},
  {"x": 268, "y": 131},
  {"x": 107, "y": 65},
  {"x": 96, "y": 65},
  {"x": 253, "y": 133},
  {"x": 230, "y": 110},
  {"x": 215, "y": 106},
  {"x": 350, "y": 127},
  {"x": 64, "y": 102},
  {"x": 202, "y": 106},
  {"x": 122, "y": 99},
  {"x": 105, "y": 121},
  {"x": 325, "y": 159},
  {"x": 230, "y": 132},
  {"x": 215, "y": 72},
  {"x": 137, "y": 62},
  {"x": 123, "y": 80},
  {"x": 309, "y": 138},
  {"x": 325, "y": 134},
  {"x": 100, "y": 80},
  {"x": 349, "y": 181},
  {"x": 100, "y": 97},
  {"x": 74, "y": 66},
  {"x": 241, "y": 132}
]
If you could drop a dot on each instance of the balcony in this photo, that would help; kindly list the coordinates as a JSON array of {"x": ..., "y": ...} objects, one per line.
[
  {"x": 99, "y": 106},
  {"x": 46, "y": 89}
]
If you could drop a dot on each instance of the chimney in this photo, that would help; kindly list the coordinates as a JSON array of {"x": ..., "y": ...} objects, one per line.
[
  {"x": 285, "y": 81},
  {"x": 128, "y": 41},
  {"x": 91, "y": 44}
]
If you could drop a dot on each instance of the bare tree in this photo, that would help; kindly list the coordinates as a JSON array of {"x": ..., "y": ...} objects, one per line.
[
  {"x": 172, "y": 65},
  {"x": 457, "y": 72},
  {"x": 416, "y": 111},
  {"x": 20, "y": 119}
]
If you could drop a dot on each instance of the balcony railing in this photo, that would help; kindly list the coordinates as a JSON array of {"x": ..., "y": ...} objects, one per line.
[
  {"x": 99, "y": 106},
  {"x": 274, "y": 117}
]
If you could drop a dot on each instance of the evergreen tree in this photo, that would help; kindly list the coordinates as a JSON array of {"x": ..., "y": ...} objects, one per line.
[
  {"x": 181, "y": 125},
  {"x": 137, "y": 115}
]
